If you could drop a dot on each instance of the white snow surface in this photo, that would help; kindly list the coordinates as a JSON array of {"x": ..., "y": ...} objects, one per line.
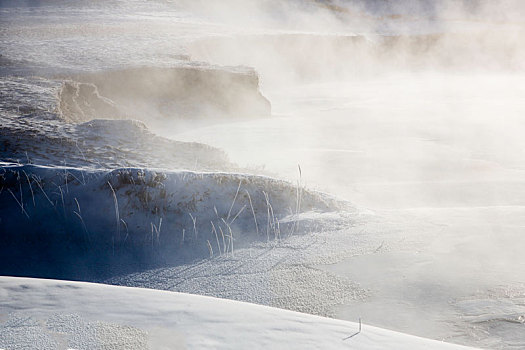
[
  {"x": 38, "y": 314},
  {"x": 429, "y": 148}
]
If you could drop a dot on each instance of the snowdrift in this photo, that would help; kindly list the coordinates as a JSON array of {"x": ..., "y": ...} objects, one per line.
[
  {"x": 80, "y": 223},
  {"x": 47, "y": 314}
]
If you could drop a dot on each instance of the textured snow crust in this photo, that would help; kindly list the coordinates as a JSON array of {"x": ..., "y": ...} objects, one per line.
[{"x": 41, "y": 314}]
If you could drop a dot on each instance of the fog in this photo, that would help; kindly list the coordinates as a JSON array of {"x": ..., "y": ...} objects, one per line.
[
  {"x": 414, "y": 111},
  {"x": 410, "y": 110}
]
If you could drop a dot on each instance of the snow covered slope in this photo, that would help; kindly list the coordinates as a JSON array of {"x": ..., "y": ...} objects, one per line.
[
  {"x": 406, "y": 105},
  {"x": 38, "y": 314},
  {"x": 65, "y": 215}
]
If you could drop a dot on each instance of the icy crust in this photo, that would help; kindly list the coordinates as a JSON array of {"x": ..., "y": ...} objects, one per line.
[
  {"x": 495, "y": 317},
  {"x": 101, "y": 144},
  {"x": 27, "y": 96},
  {"x": 66, "y": 331},
  {"x": 31, "y": 131},
  {"x": 87, "y": 35},
  {"x": 61, "y": 315},
  {"x": 60, "y": 214}
]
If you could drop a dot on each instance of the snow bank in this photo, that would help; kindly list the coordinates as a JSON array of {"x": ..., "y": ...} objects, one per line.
[
  {"x": 73, "y": 221},
  {"x": 58, "y": 315}
]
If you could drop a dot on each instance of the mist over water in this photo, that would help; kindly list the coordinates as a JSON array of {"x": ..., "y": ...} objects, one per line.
[
  {"x": 410, "y": 109},
  {"x": 425, "y": 124}
]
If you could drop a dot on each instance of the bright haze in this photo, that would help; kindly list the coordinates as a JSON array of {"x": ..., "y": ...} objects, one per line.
[{"x": 346, "y": 158}]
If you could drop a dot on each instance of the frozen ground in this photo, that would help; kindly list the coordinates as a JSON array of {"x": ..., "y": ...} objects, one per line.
[
  {"x": 45, "y": 314},
  {"x": 142, "y": 214},
  {"x": 414, "y": 115}
]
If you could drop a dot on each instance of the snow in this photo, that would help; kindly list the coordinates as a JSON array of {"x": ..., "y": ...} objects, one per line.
[
  {"x": 417, "y": 115},
  {"x": 49, "y": 313},
  {"x": 173, "y": 215}
]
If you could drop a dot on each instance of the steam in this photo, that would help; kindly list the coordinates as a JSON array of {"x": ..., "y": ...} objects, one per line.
[
  {"x": 411, "y": 108},
  {"x": 356, "y": 40}
]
